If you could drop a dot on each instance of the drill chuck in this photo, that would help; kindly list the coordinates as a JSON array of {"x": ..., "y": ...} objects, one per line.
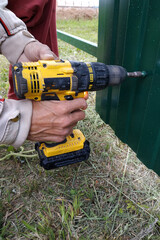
[
  {"x": 96, "y": 76},
  {"x": 117, "y": 75}
]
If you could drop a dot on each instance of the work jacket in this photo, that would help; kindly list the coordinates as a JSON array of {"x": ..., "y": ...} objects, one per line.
[{"x": 15, "y": 116}]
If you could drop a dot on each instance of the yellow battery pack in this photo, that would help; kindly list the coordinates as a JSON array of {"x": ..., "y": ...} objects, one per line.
[{"x": 75, "y": 148}]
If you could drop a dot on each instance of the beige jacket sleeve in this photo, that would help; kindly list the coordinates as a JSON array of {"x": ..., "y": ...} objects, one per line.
[
  {"x": 15, "y": 116},
  {"x": 13, "y": 34}
]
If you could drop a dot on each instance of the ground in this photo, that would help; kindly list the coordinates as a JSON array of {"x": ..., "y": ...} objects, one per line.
[{"x": 76, "y": 13}]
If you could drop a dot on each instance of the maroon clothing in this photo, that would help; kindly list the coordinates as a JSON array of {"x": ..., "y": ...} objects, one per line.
[{"x": 40, "y": 19}]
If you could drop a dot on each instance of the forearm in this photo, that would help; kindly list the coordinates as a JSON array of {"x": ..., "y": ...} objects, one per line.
[
  {"x": 13, "y": 34},
  {"x": 15, "y": 120}
]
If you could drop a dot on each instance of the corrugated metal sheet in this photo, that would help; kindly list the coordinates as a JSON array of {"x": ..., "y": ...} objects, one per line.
[{"x": 129, "y": 35}]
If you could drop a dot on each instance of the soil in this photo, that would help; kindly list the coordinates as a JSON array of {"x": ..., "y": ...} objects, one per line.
[{"x": 76, "y": 13}]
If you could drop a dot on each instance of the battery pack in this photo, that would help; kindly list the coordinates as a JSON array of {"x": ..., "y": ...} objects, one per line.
[{"x": 75, "y": 148}]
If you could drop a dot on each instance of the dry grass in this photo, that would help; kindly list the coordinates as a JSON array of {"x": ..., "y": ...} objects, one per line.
[{"x": 76, "y": 13}]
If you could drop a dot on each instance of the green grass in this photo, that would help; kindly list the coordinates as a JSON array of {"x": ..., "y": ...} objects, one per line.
[
  {"x": 3, "y": 76},
  {"x": 86, "y": 29},
  {"x": 110, "y": 196}
]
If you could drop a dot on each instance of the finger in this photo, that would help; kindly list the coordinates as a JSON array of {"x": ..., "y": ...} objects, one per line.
[
  {"x": 74, "y": 105},
  {"x": 32, "y": 51},
  {"x": 76, "y": 116},
  {"x": 70, "y": 119},
  {"x": 48, "y": 55},
  {"x": 45, "y": 138},
  {"x": 45, "y": 53},
  {"x": 66, "y": 131},
  {"x": 35, "y": 51},
  {"x": 50, "y": 136}
]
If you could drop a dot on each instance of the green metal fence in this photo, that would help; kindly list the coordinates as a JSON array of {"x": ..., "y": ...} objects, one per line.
[
  {"x": 129, "y": 35},
  {"x": 78, "y": 42},
  {"x": 132, "y": 39}
]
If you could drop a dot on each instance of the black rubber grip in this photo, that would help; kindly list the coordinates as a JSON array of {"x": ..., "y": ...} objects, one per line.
[{"x": 19, "y": 83}]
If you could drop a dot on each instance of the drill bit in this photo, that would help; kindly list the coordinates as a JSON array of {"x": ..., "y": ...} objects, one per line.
[{"x": 136, "y": 74}]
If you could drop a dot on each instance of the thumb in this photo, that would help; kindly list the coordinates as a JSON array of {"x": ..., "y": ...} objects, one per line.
[
  {"x": 45, "y": 53},
  {"x": 48, "y": 56},
  {"x": 35, "y": 51}
]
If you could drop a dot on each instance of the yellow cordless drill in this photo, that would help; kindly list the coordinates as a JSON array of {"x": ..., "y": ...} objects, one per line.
[{"x": 64, "y": 80}]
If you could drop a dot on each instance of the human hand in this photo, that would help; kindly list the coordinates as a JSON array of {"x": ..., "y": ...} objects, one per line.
[
  {"x": 35, "y": 51},
  {"x": 54, "y": 120}
]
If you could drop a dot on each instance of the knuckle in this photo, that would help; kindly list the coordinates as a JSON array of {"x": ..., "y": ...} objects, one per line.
[{"x": 83, "y": 102}]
